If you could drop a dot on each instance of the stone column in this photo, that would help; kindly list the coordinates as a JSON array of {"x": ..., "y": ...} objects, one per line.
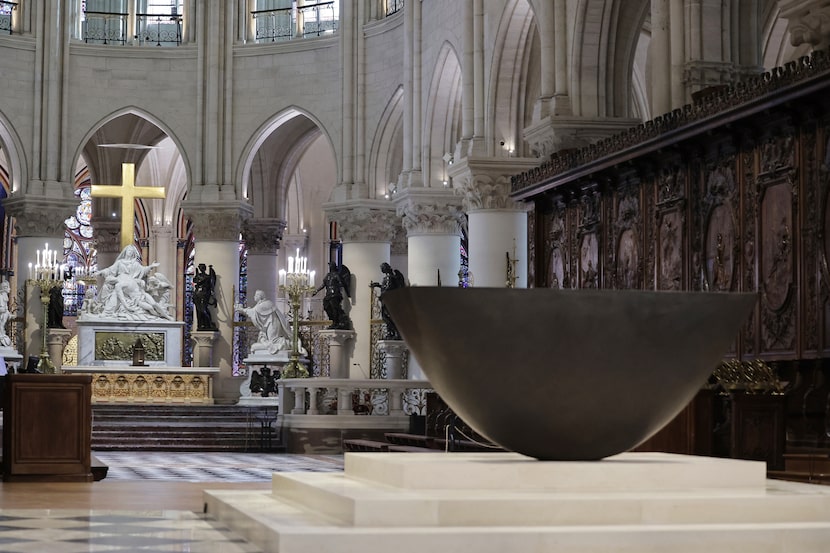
[
  {"x": 203, "y": 341},
  {"x": 393, "y": 353},
  {"x": 37, "y": 221},
  {"x": 263, "y": 237},
  {"x": 163, "y": 250},
  {"x": 217, "y": 228},
  {"x": 106, "y": 232},
  {"x": 497, "y": 224},
  {"x": 433, "y": 223},
  {"x": 366, "y": 231},
  {"x": 341, "y": 345},
  {"x": 56, "y": 340},
  {"x": 660, "y": 52}
]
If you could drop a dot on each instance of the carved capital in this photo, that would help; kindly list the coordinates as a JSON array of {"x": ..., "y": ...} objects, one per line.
[
  {"x": 222, "y": 221},
  {"x": 807, "y": 22},
  {"x": 484, "y": 183},
  {"x": 431, "y": 217},
  {"x": 263, "y": 236},
  {"x": 39, "y": 216},
  {"x": 365, "y": 223}
]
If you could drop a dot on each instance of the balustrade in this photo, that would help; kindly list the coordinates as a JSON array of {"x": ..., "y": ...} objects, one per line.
[
  {"x": 105, "y": 27},
  {"x": 282, "y": 24},
  {"x": 159, "y": 30},
  {"x": 348, "y": 397}
]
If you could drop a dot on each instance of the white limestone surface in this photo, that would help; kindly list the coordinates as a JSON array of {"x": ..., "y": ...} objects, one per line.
[{"x": 575, "y": 507}]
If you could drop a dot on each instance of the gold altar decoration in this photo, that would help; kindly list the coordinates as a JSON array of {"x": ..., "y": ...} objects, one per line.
[
  {"x": 151, "y": 388},
  {"x": 128, "y": 192},
  {"x": 754, "y": 377},
  {"x": 297, "y": 283}
]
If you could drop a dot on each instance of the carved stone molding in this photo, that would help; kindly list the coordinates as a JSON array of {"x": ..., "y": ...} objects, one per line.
[
  {"x": 263, "y": 236},
  {"x": 39, "y": 217},
  {"x": 431, "y": 217},
  {"x": 363, "y": 223},
  {"x": 806, "y": 22},
  {"x": 484, "y": 183},
  {"x": 218, "y": 221},
  {"x": 556, "y": 132}
]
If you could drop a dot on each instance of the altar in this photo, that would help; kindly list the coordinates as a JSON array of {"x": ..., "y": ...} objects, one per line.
[{"x": 153, "y": 384}]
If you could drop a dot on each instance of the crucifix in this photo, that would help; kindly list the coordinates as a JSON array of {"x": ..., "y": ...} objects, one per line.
[{"x": 128, "y": 192}]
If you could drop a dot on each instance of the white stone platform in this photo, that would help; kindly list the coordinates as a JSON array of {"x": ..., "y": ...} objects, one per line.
[{"x": 497, "y": 502}]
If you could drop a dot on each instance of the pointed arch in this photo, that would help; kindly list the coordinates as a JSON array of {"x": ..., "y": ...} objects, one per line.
[
  {"x": 16, "y": 165},
  {"x": 386, "y": 151},
  {"x": 515, "y": 78},
  {"x": 442, "y": 116}
]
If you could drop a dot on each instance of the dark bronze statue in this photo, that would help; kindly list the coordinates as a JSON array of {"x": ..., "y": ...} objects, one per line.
[
  {"x": 392, "y": 280},
  {"x": 204, "y": 297},
  {"x": 54, "y": 312},
  {"x": 337, "y": 282}
]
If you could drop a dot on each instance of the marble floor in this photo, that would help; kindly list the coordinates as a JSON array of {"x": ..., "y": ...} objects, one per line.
[{"x": 149, "y": 502}]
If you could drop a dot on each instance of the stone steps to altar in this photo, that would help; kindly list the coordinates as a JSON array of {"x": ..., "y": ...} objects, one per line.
[{"x": 139, "y": 427}]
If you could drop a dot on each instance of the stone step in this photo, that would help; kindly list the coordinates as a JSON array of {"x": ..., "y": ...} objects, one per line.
[{"x": 167, "y": 427}]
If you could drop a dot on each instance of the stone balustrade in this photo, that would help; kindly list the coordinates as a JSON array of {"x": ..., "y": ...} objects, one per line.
[{"x": 350, "y": 397}]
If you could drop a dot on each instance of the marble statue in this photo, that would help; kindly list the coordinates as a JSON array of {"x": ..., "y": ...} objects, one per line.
[
  {"x": 129, "y": 291},
  {"x": 5, "y": 314},
  {"x": 274, "y": 330}
]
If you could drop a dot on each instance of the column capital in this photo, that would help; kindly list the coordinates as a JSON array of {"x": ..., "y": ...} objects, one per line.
[
  {"x": 484, "y": 183},
  {"x": 555, "y": 132},
  {"x": 218, "y": 221},
  {"x": 263, "y": 235},
  {"x": 429, "y": 213},
  {"x": 366, "y": 221},
  {"x": 806, "y": 22},
  {"x": 106, "y": 233},
  {"x": 39, "y": 216}
]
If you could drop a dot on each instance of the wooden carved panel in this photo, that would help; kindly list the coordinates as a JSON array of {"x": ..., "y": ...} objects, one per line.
[
  {"x": 776, "y": 266},
  {"x": 588, "y": 260},
  {"x": 627, "y": 225},
  {"x": 670, "y": 252},
  {"x": 720, "y": 235}
]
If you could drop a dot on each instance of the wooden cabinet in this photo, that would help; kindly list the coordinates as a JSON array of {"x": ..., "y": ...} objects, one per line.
[{"x": 47, "y": 428}]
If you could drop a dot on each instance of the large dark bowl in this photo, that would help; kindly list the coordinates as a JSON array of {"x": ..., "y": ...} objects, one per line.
[{"x": 566, "y": 374}]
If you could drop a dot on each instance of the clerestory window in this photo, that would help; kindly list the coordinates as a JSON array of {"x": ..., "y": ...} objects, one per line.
[
  {"x": 7, "y": 12},
  {"x": 139, "y": 22},
  {"x": 279, "y": 20}
]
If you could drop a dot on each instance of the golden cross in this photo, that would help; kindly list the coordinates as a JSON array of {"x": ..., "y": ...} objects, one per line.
[{"x": 128, "y": 192}]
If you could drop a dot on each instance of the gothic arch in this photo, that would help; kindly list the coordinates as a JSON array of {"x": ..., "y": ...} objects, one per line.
[
  {"x": 269, "y": 161},
  {"x": 386, "y": 153},
  {"x": 514, "y": 80},
  {"x": 442, "y": 116},
  {"x": 17, "y": 168}
]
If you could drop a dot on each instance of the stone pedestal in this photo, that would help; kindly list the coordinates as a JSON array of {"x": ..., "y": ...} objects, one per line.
[
  {"x": 254, "y": 364},
  {"x": 393, "y": 352},
  {"x": 341, "y": 344},
  {"x": 56, "y": 341},
  {"x": 203, "y": 341},
  {"x": 109, "y": 342},
  {"x": 11, "y": 357}
]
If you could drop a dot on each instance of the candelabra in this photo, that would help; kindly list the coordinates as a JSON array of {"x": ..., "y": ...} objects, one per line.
[
  {"x": 296, "y": 283},
  {"x": 47, "y": 275}
]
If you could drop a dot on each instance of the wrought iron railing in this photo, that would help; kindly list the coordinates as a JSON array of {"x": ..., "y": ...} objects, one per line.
[
  {"x": 274, "y": 25},
  {"x": 158, "y": 30},
  {"x": 393, "y": 6},
  {"x": 282, "y": 24},
  {"x": 6, "y": 23},
  {"x": 105, "y": 27},
  {"x": 317, "y": 19}
]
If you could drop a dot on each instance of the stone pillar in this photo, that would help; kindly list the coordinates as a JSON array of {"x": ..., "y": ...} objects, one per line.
[
  {"x": 56, "y": 340},
  {"x": 163, "y": 250},
  {"x": 497, "y": 224},
  {"x": 366, "y": 231},
  {"x": 660, "y": 54},
  {"x": 203, "y": 341},
  {"x": 433, "y": 223},
  {"x": 106, "y": 232},
  {"x": 37, "y": 221},
  {"x": 393, "y": 353},
  {"x": 263, "y": 237},
  {"x": 217, "y": 228},
  {"x": 341, "y": 345}
]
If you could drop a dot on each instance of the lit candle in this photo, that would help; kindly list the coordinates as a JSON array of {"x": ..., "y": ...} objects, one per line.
[
  {"x": 282, "y": 277},
  {"x": 290, "y": 264},
  {"x": 30, "y": 270},
  {"x": 38, "y": 259},
  {"x": 311, "y": 279}
]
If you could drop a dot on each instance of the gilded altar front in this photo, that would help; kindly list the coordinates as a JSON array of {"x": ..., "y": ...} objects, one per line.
[{"x": 127, "y": 384}]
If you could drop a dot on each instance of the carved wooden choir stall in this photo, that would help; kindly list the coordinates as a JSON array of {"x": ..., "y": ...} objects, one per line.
[{"x": 729, "y": 193}]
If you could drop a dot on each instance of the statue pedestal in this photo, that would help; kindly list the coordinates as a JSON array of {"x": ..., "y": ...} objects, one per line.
[
  {"x": 203, "y": 350},
  {"x": 56, "y": 340},
  {"x": 11, "y": 357},
  {"x": 110, "y": 342},
  {"x": 393, "y": 352},
  {"x": 340, "y": 344},
  {"x": 254, "y": 364}
]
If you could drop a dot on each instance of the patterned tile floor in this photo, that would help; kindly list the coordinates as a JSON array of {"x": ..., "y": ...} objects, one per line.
[
  {"x": 76, "y": 531},
  {"x": 211, "y": 467}
]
